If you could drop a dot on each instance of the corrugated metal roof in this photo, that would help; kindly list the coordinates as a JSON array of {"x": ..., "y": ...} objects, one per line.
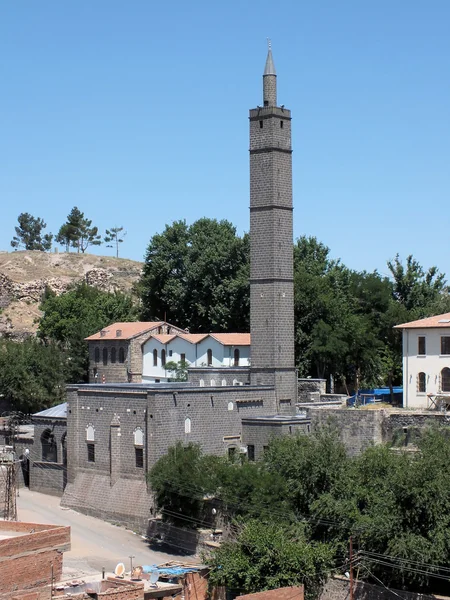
[{"x": 54, "y": 412}]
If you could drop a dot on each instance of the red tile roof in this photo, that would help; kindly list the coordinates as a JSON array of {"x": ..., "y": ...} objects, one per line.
[
  {"x": 128, "y": 330},
  {"x": 285, "y": 593},
  {"x": 232, "y": 339},
  {"x": 193, "y": 338},
  {"x": 437, "y": 321},
  {"x": 163, "y": 338}
]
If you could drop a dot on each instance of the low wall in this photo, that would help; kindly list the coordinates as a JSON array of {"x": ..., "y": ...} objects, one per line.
[
  {"x": 338, "y": 588},
  {"x": 310, "y": 390}
]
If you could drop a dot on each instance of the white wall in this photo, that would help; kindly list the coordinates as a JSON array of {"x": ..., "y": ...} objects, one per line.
[{"x": 431, "y": 364}]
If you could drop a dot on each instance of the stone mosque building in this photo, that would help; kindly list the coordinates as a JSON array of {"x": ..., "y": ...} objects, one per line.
[{"x": 117, "y": 431}]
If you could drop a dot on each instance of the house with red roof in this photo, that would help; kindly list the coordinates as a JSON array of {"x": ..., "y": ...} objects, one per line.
[{"x": 426, "y": 362}]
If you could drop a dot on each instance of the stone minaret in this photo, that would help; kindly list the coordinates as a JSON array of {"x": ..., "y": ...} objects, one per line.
[{"x": 271, "y": 245}]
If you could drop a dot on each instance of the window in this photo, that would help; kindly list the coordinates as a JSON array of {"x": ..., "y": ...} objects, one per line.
[
  {"x": 113, "y": 355},
  {"x": 182, "y": 357},
  {"x": 105, "y": 356},
  {"x": 91, "y": 452},
  {"x": 187, "y": 425},
  {"x": 261, "y": 124},
  {"x": 97, "y": 355},
  {"x": 163, "y": 358},
  {"x": 202, "y": 383},
  {"x": 121, "y": 355},
  {"x": 251, "y": 452},
  {"x": 231, "y": 452},
  {"x": 445, "y": 379},
  {"x": 90, "y": 433},
  {"x": 236, "y": 357},
  {"x": 139, "y": 457},
  {"x": 224, "y": 382},
  {"x": 421, "y": 383},
  {"x": 230, "y": 406},
  {"x": 138, "y": 437},
  {"x": 49, "y": 449},
  {"x": 170, "y": 352},
  {"x": 421, "y": 345},
  {"x": 281, "y": 124},
  {"x": 445, "y": 344},
  {"x": 209, "y": 355},
  {"x": 155, "y": 357},
  {"x": 213, "y": 382}
]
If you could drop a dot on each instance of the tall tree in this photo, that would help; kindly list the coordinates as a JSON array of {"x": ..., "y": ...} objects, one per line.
[
  {"x": 82, "y": 311},
  {"x": 114, "y": 237},
  {"x": 29, "y": 234},
  {"x": 78, "y": 232},
  {"x": 197, "y": 277}
]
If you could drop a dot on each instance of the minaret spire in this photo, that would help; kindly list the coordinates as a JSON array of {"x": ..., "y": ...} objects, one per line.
[{"x": 269, "y": 79}]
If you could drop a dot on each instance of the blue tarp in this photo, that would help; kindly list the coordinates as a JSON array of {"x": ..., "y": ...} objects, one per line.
[{"x": 174, "y": 571}]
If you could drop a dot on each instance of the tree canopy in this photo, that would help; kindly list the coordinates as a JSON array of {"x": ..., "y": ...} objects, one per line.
[
  {"x": 32, "y": 374},
  {"x": 78, "y": 232},
  {"x": 29, "y": 234},
  {"x": 197, "y": 277},
  {"x": 292, "y": 513},
  {"x": 69, "y": 318}
]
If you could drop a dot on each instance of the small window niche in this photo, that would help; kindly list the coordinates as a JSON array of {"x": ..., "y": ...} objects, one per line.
[
  {"x": 281, "y": 124},
  {"x": 138, "y": 437},
  {"x": 90, "y": 433},
  {"x": 230, "y": 406},
  {"x": 261, "y": 124},
  {"x": 187, "y": 425}
]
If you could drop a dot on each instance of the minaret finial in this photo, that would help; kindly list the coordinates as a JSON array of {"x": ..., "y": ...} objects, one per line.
[
  {"x": 270, "y": 78},
  {"x": 270, "y": 67},
  {"x": 269, "y": 44}
]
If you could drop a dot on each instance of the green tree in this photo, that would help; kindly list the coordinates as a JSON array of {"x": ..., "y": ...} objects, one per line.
[
  {"x": 32, "y": 374},
  {"x": 78, "y": 232},
  {"x": 178, "y": 371},
  {"x": 267, "y": 555},
  {"x": 71, "y": 317},
  {"x": 114, "y": 237},
  {"x": 197, "y": 277},
  {"x": 29, "y": 234}
]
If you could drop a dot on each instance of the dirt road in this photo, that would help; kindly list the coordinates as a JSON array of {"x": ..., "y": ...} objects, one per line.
[{"x": 95, "y": 543}]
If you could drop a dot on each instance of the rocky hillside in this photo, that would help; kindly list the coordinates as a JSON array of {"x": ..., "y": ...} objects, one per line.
[{"x": 24, "y": 276}]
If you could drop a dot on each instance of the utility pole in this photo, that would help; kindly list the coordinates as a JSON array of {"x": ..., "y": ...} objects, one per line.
[{"x": 351, "y": 568}]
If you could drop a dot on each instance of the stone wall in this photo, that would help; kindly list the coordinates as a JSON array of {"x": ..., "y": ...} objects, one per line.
[
  {"x": 358, "y": 429},
  {"x": 48, "y": 477},
  {"x": 258, "y": 433},
  {"x": 103, "y": 486},
  {"x": 338, "y": 588},
  {"x": 221, "y": 376},
  {"x": 310, "y": 390}
]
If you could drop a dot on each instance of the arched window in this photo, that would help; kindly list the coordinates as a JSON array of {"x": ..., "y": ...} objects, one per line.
[
  {"x": 213, "y": 382},
  {"x": 421, "y": 383},
  {"x": 105, "y": 356},
  {"x": 155, "y": 357},
  {"x": 90, "y": 433},
  {"x": 236, "y": 357},
  {"x": 97, "y": 355},
  {"x": 163, "y": 358},
  {"x": 138, "y": 437},
  {"x": 230, "y": 406},
  {"x": 445, "y": 379},
  {"x": 202, "y": 383},
  {"x": 209, "y": 353},
  {"x": 113, "y": 355},
  {"x": 121, "y": 355},
  {"x": 187, "y": 425},
  {"x": 224, "y": 382},
  {"x": 49, "y": 448}
]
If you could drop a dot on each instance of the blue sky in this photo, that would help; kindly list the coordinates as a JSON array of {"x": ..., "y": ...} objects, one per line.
[{"x": 137, "y": 113}]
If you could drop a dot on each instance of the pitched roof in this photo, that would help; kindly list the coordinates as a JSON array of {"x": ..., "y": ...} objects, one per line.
[
  {"x": 128, "y": 330},
  {"x": 54, "y": 412},
  {"x": 163, "y": 338},
  {"x": 429, "y": 322},
  {"x": 193, "y": 338},
  {"x": 232, "y": 339}
]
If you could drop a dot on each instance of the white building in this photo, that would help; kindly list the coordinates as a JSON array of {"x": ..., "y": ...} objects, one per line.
[
  {"x": 198, "y": 350},
  {"x": 426, "y": 362}
]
